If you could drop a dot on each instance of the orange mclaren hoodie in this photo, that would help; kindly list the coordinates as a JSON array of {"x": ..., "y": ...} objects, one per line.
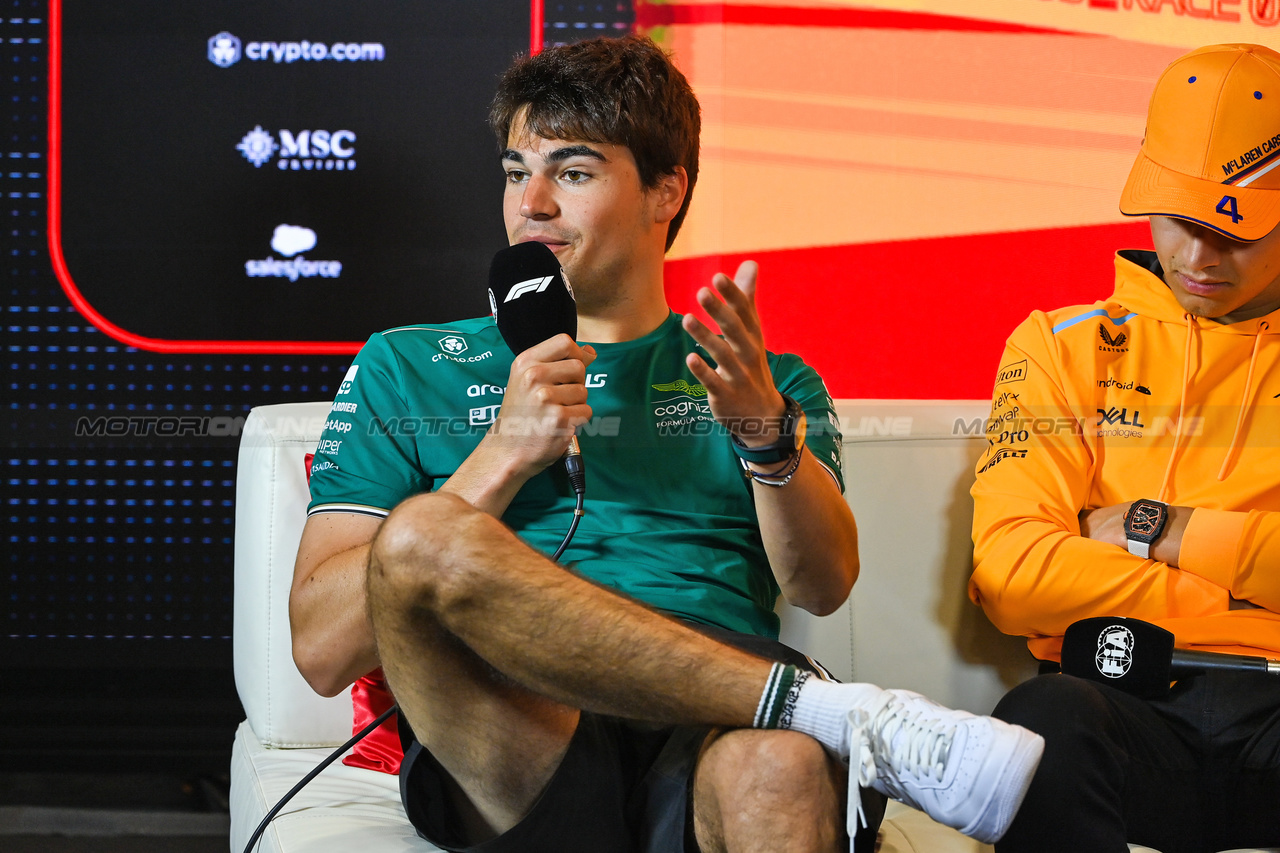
[{"x": 1133, "y": 398}]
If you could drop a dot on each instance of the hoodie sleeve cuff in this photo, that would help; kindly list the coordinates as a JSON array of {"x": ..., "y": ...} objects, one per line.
[{"x": 1210, "y": 544}]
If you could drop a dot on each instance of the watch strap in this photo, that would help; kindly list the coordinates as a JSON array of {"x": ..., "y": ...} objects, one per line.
[{"x": 782, "y": 449}]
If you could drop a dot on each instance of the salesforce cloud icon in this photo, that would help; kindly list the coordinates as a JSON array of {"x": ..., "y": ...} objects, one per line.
[{"x": 289, "y": 240}]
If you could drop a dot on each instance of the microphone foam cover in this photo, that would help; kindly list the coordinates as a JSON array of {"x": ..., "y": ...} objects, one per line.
[
  {"x": 530, "y": 296},
  {"x": 1128, "y": 654}
]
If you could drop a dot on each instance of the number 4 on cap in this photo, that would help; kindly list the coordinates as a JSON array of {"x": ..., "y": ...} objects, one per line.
[{"x": 1227, "y": 207}]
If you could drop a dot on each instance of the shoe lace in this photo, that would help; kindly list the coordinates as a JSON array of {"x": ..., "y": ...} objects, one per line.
[{"x": 905, "y": 743}]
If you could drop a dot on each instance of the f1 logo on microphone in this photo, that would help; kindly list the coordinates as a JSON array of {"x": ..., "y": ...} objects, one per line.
[{"x": 532, "y": 285}]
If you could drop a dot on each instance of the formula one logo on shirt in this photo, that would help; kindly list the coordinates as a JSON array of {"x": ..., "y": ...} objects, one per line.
[
  {"x": 1110, "y": 344},
  {"x": 224, "y": 50},
  {"x": 1115, "y": 651}
]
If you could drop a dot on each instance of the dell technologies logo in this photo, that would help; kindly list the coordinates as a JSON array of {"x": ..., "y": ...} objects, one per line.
[{"x": 309, "y": 150}]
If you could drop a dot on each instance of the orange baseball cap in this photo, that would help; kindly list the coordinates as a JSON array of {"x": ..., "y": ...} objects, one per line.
[{"x": 1211, "y": 153}]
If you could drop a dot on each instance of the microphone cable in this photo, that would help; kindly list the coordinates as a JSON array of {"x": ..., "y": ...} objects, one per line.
[
  {"x": 315, "y": 771},
  {"x": 577, "y": 478}
]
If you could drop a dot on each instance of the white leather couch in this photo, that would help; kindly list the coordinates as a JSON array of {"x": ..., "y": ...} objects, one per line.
[{"x": 908, "y": 467}]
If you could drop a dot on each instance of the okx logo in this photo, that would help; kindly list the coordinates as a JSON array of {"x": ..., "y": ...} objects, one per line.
[{"x": 304, "y": 150}]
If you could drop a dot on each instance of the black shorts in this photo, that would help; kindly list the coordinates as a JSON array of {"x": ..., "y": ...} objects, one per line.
[{"x": 622, "y": 786}]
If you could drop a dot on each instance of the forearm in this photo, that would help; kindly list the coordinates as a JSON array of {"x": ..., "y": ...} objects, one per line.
[
  {"x": 810, "y": 536},
  {"x": 332, "y": 638},
  {"x": 489, "y": 478},
  {"x": 1034, "y": 578},
  {"x": 1239, "y": 551}
]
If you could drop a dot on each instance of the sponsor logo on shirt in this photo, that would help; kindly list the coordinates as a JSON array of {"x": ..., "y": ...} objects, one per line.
[
  {"x": 1015, "y": 372},
  {"x": 1001, "y": 455},
  {"x": 1112, "y": 344},
  {"x": 454, "y": 346},
  {"x": 683, "y": 409},
  {"x": 348, "y": 380}
]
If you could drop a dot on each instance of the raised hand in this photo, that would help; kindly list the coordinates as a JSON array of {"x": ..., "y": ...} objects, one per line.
[{"x": 740, "y": 388}]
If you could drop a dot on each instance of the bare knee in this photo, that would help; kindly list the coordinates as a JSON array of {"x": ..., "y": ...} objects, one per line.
[
  {"x": 415, "y": 560},
  {"x": 755, "y": 788}
]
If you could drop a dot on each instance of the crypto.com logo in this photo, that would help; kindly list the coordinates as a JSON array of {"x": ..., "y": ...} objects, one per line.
[{"x": 224, "y": 50}]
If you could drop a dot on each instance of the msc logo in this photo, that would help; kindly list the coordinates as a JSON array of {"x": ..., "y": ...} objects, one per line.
[
  {"x": 224, "y": 50},
  {"x": 311, "y": 150},
  {"x": 530, "y": 285},
  {"x": 453, "y": 344},
  {"x": 1110, "y": 344},
  {"x": 1015, "y": 372}
]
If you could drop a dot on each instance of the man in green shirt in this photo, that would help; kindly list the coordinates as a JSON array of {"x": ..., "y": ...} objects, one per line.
[{"x": 586, "y": 709}]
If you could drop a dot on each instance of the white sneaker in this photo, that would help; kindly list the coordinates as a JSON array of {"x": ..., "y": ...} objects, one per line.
[{"x": 965, "y": 771}]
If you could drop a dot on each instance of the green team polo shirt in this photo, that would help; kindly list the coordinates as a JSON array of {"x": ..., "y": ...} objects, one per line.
[{"x": 669, "y": 519}]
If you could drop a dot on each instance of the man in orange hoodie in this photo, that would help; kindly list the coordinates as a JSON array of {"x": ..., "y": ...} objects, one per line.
[{"x": 1134, "y": 471}]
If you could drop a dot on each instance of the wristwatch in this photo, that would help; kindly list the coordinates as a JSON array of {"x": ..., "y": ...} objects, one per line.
[
  {"x": 1144, "y": 521},
  {"x": 790, "y": 437}
]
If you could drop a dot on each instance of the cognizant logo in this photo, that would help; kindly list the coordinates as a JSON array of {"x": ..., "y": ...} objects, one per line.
[{"x": 224, "y": 50}]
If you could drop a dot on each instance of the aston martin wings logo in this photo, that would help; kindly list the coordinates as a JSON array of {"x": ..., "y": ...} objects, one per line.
[
  {"x": 683, "y": 387},
  {"x": 1117, "y": 341}
]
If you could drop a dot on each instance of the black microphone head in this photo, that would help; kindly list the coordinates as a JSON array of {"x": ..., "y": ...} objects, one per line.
[
  {"x": 530, "y": 296},
  {"x": 1129, "y": 654}
]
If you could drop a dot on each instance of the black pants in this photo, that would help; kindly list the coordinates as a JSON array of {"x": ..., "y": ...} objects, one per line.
[
  {"x": 1194, "y": 773},
  {"x": 622, "y": 787}
]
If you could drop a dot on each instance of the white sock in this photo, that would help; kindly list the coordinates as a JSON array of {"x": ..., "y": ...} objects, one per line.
[{"x": 795, "y": 700}]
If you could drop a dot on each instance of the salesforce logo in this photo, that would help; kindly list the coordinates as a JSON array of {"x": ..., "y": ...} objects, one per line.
[
  {"x": 305, "y": 150},
  {"x": 291, "y": 241},
  {"x": 224, "y": 50}
]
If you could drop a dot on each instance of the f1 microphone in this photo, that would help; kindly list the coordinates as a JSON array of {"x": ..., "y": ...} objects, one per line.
[
  {"x": 532, "y": 301},
  {"x": 1139, "y": 658}
]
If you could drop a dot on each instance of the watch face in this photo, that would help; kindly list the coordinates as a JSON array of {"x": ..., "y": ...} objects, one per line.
[{"x": 1145, "y": 520}]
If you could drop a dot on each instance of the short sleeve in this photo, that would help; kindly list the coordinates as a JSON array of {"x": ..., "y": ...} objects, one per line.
[
  {"x": 802, "y": 383},
  {"x": 360, "y": 466}
]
